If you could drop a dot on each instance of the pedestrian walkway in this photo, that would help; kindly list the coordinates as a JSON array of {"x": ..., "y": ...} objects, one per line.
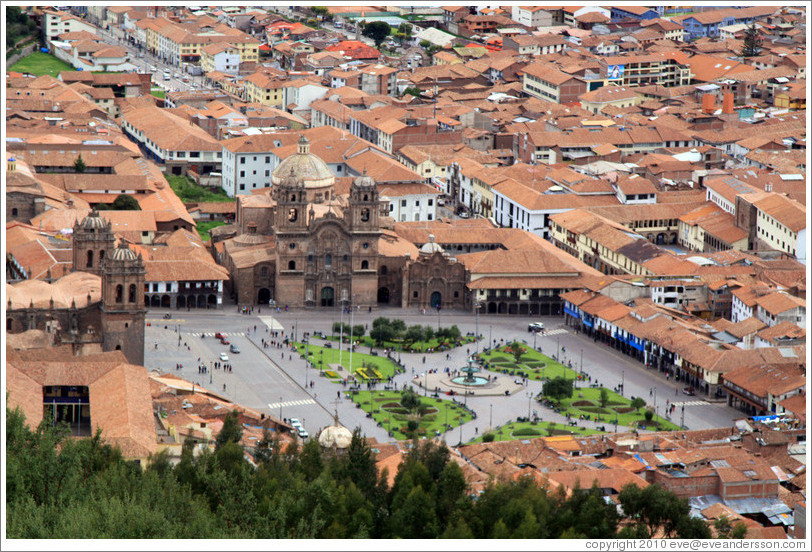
[
  {"x": 165, "y": 321},
  {"x": 211, "y": 334},
  {"x": 272, "y": 323},
  {"x": 300, "y": 402},
  {"x": 691, "y": 403},
  {"x": 557, "y": 331}
]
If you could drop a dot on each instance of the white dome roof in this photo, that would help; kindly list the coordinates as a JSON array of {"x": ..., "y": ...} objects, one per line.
[
  {"x": 431, "y": 247},
  {"x": 306, "y": 167},
  {"x": 335, "y": 436}
]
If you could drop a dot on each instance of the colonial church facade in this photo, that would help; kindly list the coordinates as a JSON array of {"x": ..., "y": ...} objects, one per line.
[
  {"x": 302, "y": 245},
  {"x": 98, "y": 307}
]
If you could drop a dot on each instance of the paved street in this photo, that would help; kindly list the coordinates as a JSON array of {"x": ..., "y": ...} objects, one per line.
[{"x": 277, "y": 382}]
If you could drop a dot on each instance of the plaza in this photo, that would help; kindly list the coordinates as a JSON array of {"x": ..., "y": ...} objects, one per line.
[{"x": 276, "y": 380}]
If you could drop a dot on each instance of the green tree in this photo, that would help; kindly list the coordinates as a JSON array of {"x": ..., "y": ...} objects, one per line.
[
  {"x": 558, "y": 388},
  {"x": 79, "y": 165},
  {"x": 655, "y": 509},
  {"x": 648, "y": 415},
  {"x": 126, "y": 202},
  {"x": 516, "y": 350},
  {"x": 377, "y": 31},
  {"x": 425, "y": 44},
  {"x": 320, "y": 10},
  {"x": 414, "y": 334},
  {"x": 752, "y": 42},
  {"x": 638, "y": 403},
  {"x": 604, "y": 397},
  {"x": 380, "y": 334},
  {"x": 231, "y": 431},
  {"x": 727, "y": 530},
  {"x": 358, "y": 331}
]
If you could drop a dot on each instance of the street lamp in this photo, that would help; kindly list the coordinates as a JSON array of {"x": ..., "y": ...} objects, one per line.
[
  {"x": 341, "y": 336},
  {"x": 478, "y": 305},
  {"x": 280, "y": 408},
  {"x": 307, "y": 360},
  {"x": 529, "y": 399},
  {"x": 622, "y": 383},
  {"x": 352, "y": 313},
  {"x": 490, "y": 419}
]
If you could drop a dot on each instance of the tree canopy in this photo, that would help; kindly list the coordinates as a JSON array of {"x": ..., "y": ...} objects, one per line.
[
  {"x": 60, "y": 487},
  {"x": 377, "y": 31}
]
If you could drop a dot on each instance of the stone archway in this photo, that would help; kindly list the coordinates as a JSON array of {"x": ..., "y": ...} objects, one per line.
[
  {"x": 165, "y": 301},
  {"x": 211, "y": 300},
  {"x": 491, "y": 308},
  {"x": 263, "y": 296},
  {"x": 181, "y": 301},
  {"x": 155, "y": 301},
  {"x": 201, "y": 301},
  {"x": 383, "y": 295},
  {"x": 327, "y": 296},
  {"x": 660, "y": 239}
]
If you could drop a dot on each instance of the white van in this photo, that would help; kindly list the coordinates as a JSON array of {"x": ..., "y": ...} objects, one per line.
[{"x": 167, "y": 75}]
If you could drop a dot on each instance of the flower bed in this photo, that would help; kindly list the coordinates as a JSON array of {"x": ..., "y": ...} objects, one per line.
[{"x": 330, "y": 374}]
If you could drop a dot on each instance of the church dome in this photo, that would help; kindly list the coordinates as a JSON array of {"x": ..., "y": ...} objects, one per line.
[
  {"x": 306, "y": 167},
  {"x": 93, "y": 220},
  {"x": 123, "y": 253},
  {"x": 430, "y": 247},
  {"x": 335, "y": 436}
]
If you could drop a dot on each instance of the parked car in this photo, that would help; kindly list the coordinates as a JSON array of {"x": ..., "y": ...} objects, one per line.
[
  {"x": 224, "y": 357},
  {"x": 303, "y": 434},
  {"x": 218, "y": 335},
  {"x": 535, "y": 327},
  {"x": 234, "y": 349},
  {"x": 225, "y": 341},
  {"x": 294, "y": 422},
  {"x": 689, "y": 391}
]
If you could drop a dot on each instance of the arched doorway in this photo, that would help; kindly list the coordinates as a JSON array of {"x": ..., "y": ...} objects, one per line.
[
  {"x": 201, "y": 301},
  {"x": 327, "y": 296},
  {"x": 660, "y": 239},
  {"x": 212, "y": 300},
  {"x": 263, "y": 296},
  {"x": 383, "y": 295},
  {"x": 155, "y": 301},
  {"x": 491, "y": 308},
  {"x": 436, "y": 299},
  {"x": 165, "y": 302},
  {"x": 181, "y": 301}
]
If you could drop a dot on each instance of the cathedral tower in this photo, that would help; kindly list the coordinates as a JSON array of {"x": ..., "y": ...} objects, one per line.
[
  {"x": 123, "y": 276},
  {"x": 92, "y": 240}
]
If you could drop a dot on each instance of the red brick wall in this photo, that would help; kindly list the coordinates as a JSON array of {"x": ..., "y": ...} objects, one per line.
[{"x": 686, "y": 487}]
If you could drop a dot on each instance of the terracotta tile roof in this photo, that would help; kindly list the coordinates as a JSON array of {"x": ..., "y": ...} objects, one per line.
[
  {"x": 779, "y": 302},
  {"x": 120, "y": 400},
  {"x": 782, "y": 330},
  {"x": 614, "y": 479},
  {"x": 764, "y": 379},
  {"x": 788, "y": 212}
]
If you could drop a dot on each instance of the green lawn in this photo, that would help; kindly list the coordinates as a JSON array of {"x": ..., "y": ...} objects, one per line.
[
  {"x": 205, "y": 226},
  {"x": 531, "y": 430},
  {"x": 39, "y": 63},
  {"x": 363, "y": 366},
  {"x": 533, "y": 364},
  {"x": 586, "y": 402},
  {"x": 386, "y": 410},
  {"x": 416, "y": 347},
  {"x": 158, "y": 92},
  {"x": 188, "y": 191}
]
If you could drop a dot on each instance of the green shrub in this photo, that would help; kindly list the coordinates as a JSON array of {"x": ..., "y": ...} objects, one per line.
[
  {"x": 488, "y": 437},
  {"x": 525, "y": 431}
]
